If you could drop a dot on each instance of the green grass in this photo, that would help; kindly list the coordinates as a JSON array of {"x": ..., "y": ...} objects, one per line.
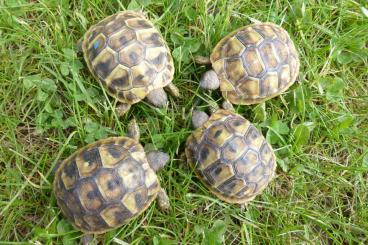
[{"x": 51, "y": 105}]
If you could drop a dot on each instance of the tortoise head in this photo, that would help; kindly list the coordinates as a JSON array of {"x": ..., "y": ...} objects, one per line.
[{"x": 209, "y": 80}]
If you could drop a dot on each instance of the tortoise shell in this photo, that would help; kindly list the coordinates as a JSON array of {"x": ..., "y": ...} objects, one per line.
[
  {"x": 255, "y": 63},
  {"x": 105, "y": 184},
  {"x": 128, "y": 56},
  {"x": 231, "y": 157}
]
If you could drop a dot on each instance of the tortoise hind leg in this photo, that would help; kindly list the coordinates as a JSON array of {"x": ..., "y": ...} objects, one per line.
[
  {"x": 87, "y": 239},
  {"x": 202, "y": 60},
  {"x": 133, "y": 130},
  {"x": 163, "y": 200},
  {"x": 173, "y": 90}
]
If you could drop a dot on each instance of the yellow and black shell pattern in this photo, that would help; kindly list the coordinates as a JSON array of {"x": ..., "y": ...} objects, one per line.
[
  {"x": 255, "y": 63},
  {"x": 231, "y": 157},
  {"x": 105, "y": 184},
  {"x": 128, "y": 56}
]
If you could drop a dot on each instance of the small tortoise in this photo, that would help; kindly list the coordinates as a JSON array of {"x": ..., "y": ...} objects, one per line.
[
  {"x": 230, "y": 156},
  {"x": 128, "y": 55},
  {"x": 107, "y": 183},
  {"x": 252, "y": 64}
]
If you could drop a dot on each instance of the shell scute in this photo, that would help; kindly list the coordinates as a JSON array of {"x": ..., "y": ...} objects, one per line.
[
  {"x": 89, "y": 195},
  {"x": 207, "y": 154},
  {"x": 115, "y": 215},
  {"x": 219, "y": 134},
  {"x": 132, "y": 55},
  {"x": 151, "y": 39},
  {"x": 110, "y": 185},
  {"x": 69, "y": 175},
  {"x": 122, "y": 39},
  {"x": 88, "y": 162},
  {"x": 249, "y": 37},
  {"x": 96, "y": 46},
  {"x": 233, "y": 149},
  {"x": 235, "y": 70},
  {"x": 104, "y": 63}
]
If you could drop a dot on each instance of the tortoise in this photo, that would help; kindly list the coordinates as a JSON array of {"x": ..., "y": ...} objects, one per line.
[
  {"x": 252, "y": 64},
  {"x": 109, "y": 182},
  {"x": 230, "y": 156},
  {"x": 130, "y": 58}
]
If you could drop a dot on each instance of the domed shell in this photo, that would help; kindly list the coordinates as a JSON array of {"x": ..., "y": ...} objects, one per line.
[
  {"x": 231, "y": 157},
  {"x": 128, "y": 56},
  {"x": 105, "y": 184},
  {"x": 255, "y": 63}
]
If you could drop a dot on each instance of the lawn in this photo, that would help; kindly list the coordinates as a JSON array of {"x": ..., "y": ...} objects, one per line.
[{"x": 51, "y": 105}]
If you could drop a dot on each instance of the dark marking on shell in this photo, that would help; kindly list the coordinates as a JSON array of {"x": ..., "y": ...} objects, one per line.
[
  {"x": 95, "y": 223},
  {"x": 237, "y": 123},
  {"x": 251, "y": 134},
  {"x": 150, "y": 72},
  {"x": 134, "y": 57},
  {"x": 227, "y": 187},
  {"x": 121, "y": 82},
  {"x": 70, "y": 169},
  {"x": 122, "y": 141},
  {"x": 92, "y": 194},
  {"x": 103, "y": 69},
  {"x": 204, "y": 154},
  {"x": 112, "y": 184},
  {"x": 114, "y": 151},
  {"x": 91, "y": 156},
  {"x": 131, "y": 96},
  {"x": 140, "y": 24},
  {"x": 112, "y": 89},
  {"x": 218, "y": 133},
  {"x": 113, "y": 27},
  {"x": 232, "y": 146},
  {"x": 158, "y": 60},
  {"x": 122, "y": 215},
  {"x": 139, "y": 200},
  {"x": 139, "y": 81},
  {"x": 218, "y": 171}
]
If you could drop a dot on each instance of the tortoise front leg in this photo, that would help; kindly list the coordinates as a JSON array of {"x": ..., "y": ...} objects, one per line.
[
  {"x": 157, "y": 97},
  {"x": 79, "y": 45},
  {"x": 122, "y": 108},
  {"x": 228, "y": 106},
  {"x": 163, "y": 200}
]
